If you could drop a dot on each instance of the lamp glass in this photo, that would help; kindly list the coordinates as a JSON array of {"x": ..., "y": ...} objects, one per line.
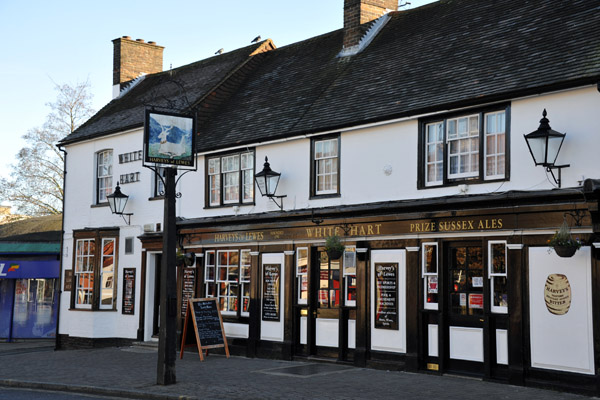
[{"x": 117, "y": 201}]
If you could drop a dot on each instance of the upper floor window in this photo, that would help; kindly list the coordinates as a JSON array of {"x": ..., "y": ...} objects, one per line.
[
  {"x": 104, "y": 172},
  {"x": 470, "y": 147},
  {"x": 230, "y": 179},
  {"x": 325, "y": 166}
]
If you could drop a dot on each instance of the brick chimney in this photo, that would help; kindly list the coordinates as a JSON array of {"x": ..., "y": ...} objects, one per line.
[
  {"x": 359, "y": 12},
  {"x": 132, "y": 58}
]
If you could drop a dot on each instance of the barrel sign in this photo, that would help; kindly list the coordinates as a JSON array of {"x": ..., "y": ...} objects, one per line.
[{"x": 557, "y": 294}]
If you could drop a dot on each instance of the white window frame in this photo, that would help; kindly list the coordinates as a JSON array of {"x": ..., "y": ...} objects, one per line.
[
  {"x": 425, "y": 275},
  {"x": 107, "y": 274},
  {"x": 84, "y": 265},
  {"x": 475, "y": 149},
  {"x": 245, "y": 283},
  {"x": 230, "y": 179},
  {"x": 104, "y": 174},
  {"x": 302, "y": 276},
  {"x": 158, "y": 188},
  {"x": 326, "y": 165},
  {"x": 498, "y": 134},
  {"x": 468, "y": 152},
  {"x": 436, "y": 145},
  {"x": 349, "y": 272},
  {"x": 497, "y": 309}
]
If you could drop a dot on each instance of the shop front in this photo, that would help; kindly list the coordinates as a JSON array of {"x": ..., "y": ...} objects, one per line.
[
  {"x": 463, "y": 285},
  {"x": 28, "y": 298}
]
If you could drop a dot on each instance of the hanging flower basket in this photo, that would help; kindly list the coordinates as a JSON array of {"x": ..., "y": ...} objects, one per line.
[
  {"x": 563, "y": 243},
  {"x": 565, "y": 251},
  {"x": 334, "y": 247}
]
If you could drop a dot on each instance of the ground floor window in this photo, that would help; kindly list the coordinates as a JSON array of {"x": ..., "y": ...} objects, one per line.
[
  {"x": 95, "y": 270},
  {"x": 227, "y": 277}
]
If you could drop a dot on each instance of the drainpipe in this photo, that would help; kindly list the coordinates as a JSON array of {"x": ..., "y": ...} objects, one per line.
[{"x": 60, "y": 256}]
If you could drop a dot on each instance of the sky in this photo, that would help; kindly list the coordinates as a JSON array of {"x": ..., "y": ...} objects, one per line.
[{"x": 69, "y": 41}]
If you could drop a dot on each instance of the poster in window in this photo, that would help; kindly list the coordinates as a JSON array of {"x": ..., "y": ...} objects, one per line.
[
  {"x": 128, "y": 307},
  {"x": 187, "y": 290},
  {"x": 271, "y": 290},
  {"x": 169, "y": 139},
  {"x": 386, "y": 296}
]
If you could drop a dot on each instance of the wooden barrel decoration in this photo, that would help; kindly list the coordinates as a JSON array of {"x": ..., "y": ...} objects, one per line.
[{"x": 557, "y": 294}]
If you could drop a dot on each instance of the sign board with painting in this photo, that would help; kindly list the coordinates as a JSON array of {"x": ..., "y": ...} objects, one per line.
[{"x": 169, "y": 140}]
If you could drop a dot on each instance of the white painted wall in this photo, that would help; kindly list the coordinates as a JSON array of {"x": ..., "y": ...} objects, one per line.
[
  {"x": 364, "y": 155},
  {"x": 561, "y": 342}
]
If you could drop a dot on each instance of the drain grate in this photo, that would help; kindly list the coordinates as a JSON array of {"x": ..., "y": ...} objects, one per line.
[{"x": 306, "y": 370}]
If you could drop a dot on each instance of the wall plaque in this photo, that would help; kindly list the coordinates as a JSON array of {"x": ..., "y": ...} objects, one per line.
[
  {"x": 386, "y": 296},
  {"x": 68, "y": 280}
]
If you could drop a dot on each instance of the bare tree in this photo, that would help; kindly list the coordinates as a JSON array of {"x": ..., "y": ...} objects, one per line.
[{"x": 35, "y": 186}]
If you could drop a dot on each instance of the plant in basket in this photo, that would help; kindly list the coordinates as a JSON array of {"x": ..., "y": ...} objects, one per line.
[
  {"x": 334, "y": 247},
  {"x": 563, "y": 243}
]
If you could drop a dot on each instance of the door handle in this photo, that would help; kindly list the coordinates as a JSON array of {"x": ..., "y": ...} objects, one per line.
[
  {"x": 481, "y": 320},
  {"x": 314, "y": 313}
]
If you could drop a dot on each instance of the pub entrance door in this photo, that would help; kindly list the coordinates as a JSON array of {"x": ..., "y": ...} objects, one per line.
[
  {"x": 331, "y": 311},
  {"x": 465, "y": 317}
]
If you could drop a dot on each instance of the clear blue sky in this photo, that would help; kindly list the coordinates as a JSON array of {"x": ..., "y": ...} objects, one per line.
[{"x": 67, "y": 41}]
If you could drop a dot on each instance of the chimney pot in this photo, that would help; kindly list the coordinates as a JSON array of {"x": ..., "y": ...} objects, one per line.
[
  {"x": 126, "y": 37},
  {"x": 139, "y": 40},
  {"x": 151, "y": 42}
]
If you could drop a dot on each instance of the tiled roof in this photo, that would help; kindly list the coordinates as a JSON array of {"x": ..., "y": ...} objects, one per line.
[
  {"x": 179, "y": 88},
  {"x": 447, "y": 54}
]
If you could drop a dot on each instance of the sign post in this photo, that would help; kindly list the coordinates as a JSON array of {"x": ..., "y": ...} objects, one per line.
[{"x": 169, "y": 142}]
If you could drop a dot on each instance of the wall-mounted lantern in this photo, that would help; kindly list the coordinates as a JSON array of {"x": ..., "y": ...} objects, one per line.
[
  {"x": 117, "y": 201},
  {"x": 267, "y": 181},
  {"x": 544, "y": 145}
]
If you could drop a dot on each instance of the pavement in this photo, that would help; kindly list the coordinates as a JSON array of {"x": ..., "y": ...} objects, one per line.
[{"x": 130, "y": 372}]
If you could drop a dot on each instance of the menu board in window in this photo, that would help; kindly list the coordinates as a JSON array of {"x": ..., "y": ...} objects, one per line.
[
  {"x": 386, "y": 296},
  {"x": 187, "y": 291},
  {"x": 204, "y": 317},
  {"x": 271, "y": 290},
  {"x": 128, "y": 306}
]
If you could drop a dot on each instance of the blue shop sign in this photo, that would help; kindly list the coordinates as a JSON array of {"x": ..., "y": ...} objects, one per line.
[{"x": 29, "y": 269}]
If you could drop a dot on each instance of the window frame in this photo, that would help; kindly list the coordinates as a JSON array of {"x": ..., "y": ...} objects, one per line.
[
  {"x": 98, "y": 178},
  {"x": 243, "y": 285},
  {"x": 302, "y": 276},
  {"x": 98, "y": 237},
  {"x": 448, "y": 179},
  {"x": 491, "y": 275},
  {"x": 314, "y": 192},
  {"x": 426, "y": 275},
  {"x": 241, "y": 182}
]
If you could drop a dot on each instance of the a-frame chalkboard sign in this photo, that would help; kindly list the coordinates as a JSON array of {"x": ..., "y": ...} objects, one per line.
[{"x": 204, "y": 317}]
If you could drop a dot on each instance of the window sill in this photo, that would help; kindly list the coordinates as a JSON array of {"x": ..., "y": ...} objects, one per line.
[
  {"x": 464, "y": 181},
  {"x": 99, "y": 205},
  {"x": 324, "y": 196},
  {"x": 91, "y": 309},
  {"x": 230, "y": 205}
]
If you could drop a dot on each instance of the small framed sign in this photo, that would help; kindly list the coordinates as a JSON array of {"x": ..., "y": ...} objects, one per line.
[{"x": 169, "y": 140}]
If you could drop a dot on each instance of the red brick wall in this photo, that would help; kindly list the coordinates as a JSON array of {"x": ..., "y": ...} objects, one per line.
[
  {"x": 359, "y": 12},
  {"x": 131, "y": 58}
]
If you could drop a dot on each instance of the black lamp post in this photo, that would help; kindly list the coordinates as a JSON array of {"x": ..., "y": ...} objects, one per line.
[
  {"x": 267, "y": 181},
  {"x": 544, "y": 145},
  {"x": 117, "y": 201}
]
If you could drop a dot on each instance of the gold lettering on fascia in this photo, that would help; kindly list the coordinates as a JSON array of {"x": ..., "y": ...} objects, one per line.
[
  {"x": 461, "y": 225},
  {"x": 355, "y": 230},
  {"x": 238, "y": 237}
]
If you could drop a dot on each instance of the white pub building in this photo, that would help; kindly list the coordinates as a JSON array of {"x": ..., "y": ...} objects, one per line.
[{"x": 444, "y": 146}]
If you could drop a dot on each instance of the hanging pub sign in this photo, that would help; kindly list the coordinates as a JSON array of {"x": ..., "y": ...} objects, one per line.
[
  {"x": 271, "y": 290},
  {"x": 169, "y": 139},
  {"x": 386, "y": 296}
]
